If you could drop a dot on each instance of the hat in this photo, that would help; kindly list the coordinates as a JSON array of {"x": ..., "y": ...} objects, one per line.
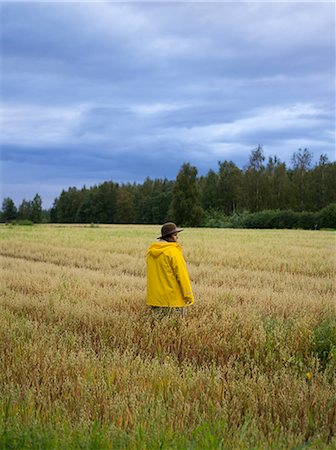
[{"x": 169, "y": 228}]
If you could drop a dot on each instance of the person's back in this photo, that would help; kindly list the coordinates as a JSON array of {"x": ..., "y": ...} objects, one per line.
[{"x": 168, "y": 283}]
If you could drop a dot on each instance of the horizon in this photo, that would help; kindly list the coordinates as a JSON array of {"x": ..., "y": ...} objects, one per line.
[{"x": 17, "y": 203}]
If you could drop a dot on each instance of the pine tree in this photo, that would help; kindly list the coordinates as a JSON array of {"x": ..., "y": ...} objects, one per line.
[
  {"x": 125, "y": 205},
  {"x": 25, "y": 210},
  {"x": 66, "y": 206},
  {"x": 9, "y": 211},
  {"x": 36, "y": 209},
  {"x": 185, "y": 207},
  {"x": 255, "y": 181}
]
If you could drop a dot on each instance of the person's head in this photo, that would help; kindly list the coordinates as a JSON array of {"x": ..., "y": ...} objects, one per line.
[{"x": 169, "y": 232}]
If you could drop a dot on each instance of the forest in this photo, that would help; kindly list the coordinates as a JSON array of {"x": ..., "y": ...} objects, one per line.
[{"x": 263, "y": 194}]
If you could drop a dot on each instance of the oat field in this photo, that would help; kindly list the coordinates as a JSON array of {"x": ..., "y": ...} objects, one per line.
[{"x": 85, "y": 365}]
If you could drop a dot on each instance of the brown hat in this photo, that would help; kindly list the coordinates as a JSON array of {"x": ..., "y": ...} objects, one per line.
[{"x": 169, "y": 228}]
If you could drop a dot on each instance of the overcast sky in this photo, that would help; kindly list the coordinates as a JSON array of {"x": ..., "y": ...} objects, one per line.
[{"x": 97, "y": 91}]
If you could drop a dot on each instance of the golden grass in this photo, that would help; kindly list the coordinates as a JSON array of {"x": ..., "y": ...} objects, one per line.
[{"x": 79, "y": 346}]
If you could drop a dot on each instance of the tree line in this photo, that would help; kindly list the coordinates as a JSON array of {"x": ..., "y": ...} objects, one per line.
[
  {"x": 28, "y": 211},
  {"x": 192, "y": 200}
]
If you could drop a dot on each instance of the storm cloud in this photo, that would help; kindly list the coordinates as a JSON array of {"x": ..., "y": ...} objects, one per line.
[{"x": 120, "y": 91}]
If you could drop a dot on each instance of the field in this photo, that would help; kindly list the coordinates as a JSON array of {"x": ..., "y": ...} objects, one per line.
[{"x": 84, "y": 364}]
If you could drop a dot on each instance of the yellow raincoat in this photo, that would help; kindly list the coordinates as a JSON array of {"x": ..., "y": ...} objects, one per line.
[{"x": 168, "y": 283}]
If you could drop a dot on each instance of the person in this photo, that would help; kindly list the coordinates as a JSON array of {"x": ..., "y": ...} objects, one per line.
[{"x": 168, "y": 284}]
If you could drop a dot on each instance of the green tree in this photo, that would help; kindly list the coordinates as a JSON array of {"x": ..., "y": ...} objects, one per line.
[
  {"x": 300, "y": 180},
  {"x": 209, "y": 190},
  {"x": 107, "y": 201},
  {"x": 46, "y": 215},
  {"x": 152, "y": 201},
  {"x": 163, "y": 195},
  {"x": 66, "y": 206},
  {"x": 143, "y": 202},
  {"x": 36, "y": 209},
  {"x": 87, "y": 209},
  {"x": 125, "y": 205},
  {"x": 9, "y": 211},
  {"x": 277, "y": 186},
  {"x": 330, "y": 184},
  {"x": 230, "y": 187},
  {"x": 323, "y": 183},
  {"x": 97, "y": 204},
  {"x": 255, "y": 181},
  {"x": 25, "y": 210},
  {"x": 186, "y": 209}
]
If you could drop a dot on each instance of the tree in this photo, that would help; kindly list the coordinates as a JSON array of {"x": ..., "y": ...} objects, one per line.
[
  {"x": 255, "y": 188},
  {"x": 143, "y": 202},
  {"x": 230, "y": 185},
  {"x": 106, "y": 200},
  {"x": 185, "y": 207},
  {"x": 302, "y": 159},
  {"x": 9, "y": 211},
  {"x": 66, "y": 206},
  {"x": 125, "y": 205},
  {"x": 300, "y": 180},
  {"x": 152, "y": 201},
  {"x": 209, "y": 190},
  {"x": 86, "y": 211},
  {"x": 255, "y": 181},
  {"x": 163, "y": 195},
  {"x": 277, "y": 186},
  {"x": 36, "y": 209},
  {"x": 323, "y": 183},
  {"x": 25, "y": 210}
]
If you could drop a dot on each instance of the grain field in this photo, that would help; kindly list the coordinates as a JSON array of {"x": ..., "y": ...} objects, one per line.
[{"x": 84, "y": 364}]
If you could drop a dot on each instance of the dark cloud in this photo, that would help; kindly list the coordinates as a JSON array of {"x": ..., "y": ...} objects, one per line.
[{"x": 96, "y": 91}]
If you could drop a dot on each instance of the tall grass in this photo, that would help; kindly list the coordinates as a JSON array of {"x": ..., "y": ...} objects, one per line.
[{"x": 84, "y": 364}]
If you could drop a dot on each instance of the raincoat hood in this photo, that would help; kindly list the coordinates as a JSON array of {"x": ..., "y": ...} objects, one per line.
[{"x": 158, "y": 248}]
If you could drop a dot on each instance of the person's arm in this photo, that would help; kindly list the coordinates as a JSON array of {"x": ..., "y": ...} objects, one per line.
[{"x": 182, "y": 276}]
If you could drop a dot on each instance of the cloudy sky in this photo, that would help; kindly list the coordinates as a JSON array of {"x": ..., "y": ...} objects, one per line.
[{"x": 97, "y": 91}]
